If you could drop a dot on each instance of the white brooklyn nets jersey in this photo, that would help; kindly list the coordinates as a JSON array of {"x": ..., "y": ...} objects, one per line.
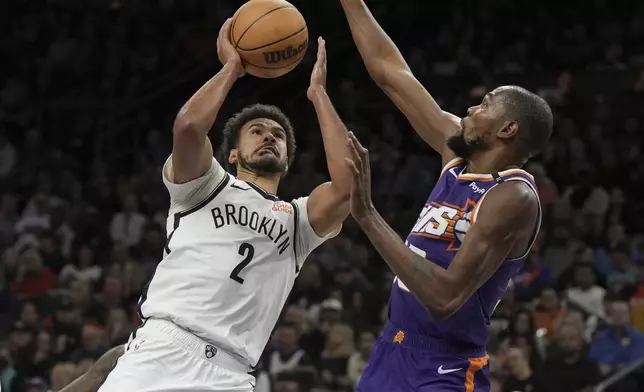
[{"x": 232, "y": 255}]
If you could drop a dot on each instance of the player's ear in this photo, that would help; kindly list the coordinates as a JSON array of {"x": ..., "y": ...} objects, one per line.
[
  {"x": 232, "y": 156},
  {"x": 509, "y": 129}
]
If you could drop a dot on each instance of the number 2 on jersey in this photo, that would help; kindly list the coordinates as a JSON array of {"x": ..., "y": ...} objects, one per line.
[{"x": 247, "y": 251}]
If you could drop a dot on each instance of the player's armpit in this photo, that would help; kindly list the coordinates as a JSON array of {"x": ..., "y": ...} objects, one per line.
[
  {"x": 306, "y": 236},
  {"x": 503, "y": 228},
  {"x": 191, "y": 193},
  {"x": 191, "y": 155},
  {"x": 327, "y": 208}
]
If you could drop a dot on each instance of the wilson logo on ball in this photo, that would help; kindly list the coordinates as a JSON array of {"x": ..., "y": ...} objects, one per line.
[{"x": 288, "y": 53}]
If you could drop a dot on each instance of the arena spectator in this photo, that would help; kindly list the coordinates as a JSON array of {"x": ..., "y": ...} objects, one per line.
[
  {"x": 619, "y": 345},
  {"x": 287, "y": 382},
  {"x": 568, "y": 368},
  {"x": 358, "y": 360},
  {"x": 338, "y": 348},
  {"x": 330, "y": 314},
  {"x": 585, "y": 293},
  {"x": 127, "y": 226},
  {"x": 10, "y": 380},
  {"x": 287, "y": 355},
  {"x": 83, "y": 268},
  {"x": 33, "y": 279},
  {"x": 548, "y": 311},
  {"x": 522, "y": 377},
  {"x": 532, "y": 278}
]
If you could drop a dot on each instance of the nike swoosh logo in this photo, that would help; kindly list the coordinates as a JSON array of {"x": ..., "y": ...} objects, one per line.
[
  {"x": 446, "y": 371},
  {"x": 238, "y": 187},
  {"x": 453, "y": 172}
]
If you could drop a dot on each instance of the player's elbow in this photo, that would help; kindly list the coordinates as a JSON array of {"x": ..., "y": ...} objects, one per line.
[
  {"x": 385, "y": 72},
  {"x": 440, "y": 309},
  {"x": 184, "y": 125},
  {"x": 340, "y": 191},
  {"x": 438, "y": 312},
  {"x": 396, "y": 78}
]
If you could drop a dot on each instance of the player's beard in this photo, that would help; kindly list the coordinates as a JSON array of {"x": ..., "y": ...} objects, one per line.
[
  {"x": 465, "y": 148},
  {"x": 267, "y": 165}
]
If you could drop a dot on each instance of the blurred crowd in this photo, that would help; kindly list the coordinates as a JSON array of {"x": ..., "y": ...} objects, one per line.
[{"x": 88, "y": 92}]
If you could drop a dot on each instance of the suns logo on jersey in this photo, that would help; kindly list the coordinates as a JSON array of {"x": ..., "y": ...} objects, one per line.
[{"x": 445, "y": 221}]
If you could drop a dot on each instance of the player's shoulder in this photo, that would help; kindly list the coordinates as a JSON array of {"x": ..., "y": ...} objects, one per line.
[
  {"x": 509, "y": 204},
  {"x": 514, "y": 193}
]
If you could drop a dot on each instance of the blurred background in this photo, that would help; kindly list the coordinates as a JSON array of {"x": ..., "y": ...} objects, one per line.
[{"x": 88, "y": 95}]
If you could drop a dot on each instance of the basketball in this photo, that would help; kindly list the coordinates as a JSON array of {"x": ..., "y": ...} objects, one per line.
[{"x": 271, "y": 37}]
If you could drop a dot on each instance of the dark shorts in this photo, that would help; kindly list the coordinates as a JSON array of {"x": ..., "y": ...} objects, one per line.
[{"x": 401, "y": 362}]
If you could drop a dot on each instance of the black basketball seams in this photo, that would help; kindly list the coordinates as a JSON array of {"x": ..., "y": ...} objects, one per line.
[
  {"x": 257, "y": 20},
  {"x": 232, "y": 30},
  {"x": 274, "y": 42}
]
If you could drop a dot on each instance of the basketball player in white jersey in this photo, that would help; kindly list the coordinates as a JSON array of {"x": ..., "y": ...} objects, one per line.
[{"x": 234, "y": 249}]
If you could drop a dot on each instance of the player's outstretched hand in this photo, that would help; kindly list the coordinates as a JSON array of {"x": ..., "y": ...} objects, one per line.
[
  {"x": 226, "y": 50},
  {"x": 318, "y": 76},
  {"x": 358, "y": 161}
]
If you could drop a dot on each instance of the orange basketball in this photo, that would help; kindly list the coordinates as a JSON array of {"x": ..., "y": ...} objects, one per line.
[{"x": 270, "y": 36}]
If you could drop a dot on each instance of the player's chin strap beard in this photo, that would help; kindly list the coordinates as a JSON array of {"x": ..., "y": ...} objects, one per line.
[{"x": 248, "y": 169}]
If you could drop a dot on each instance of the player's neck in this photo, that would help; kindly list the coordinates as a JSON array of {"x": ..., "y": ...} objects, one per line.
[
  {"x": 267, "y": 183},
  {"x": 489, "y": 162}
]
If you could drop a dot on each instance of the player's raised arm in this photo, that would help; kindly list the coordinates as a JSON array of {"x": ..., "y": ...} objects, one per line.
[
  {"x": 502, "y": 228},
  {"x": 328, "y": 205},
  {"x": 390, "y": 71},
  {"x": 192, "y": 153}
]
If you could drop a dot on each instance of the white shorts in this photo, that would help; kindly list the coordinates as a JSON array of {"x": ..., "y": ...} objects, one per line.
[{"x": 163, "y": 357}]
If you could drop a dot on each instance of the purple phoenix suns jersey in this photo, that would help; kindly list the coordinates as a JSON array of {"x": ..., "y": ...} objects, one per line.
[{"x": 437, "y": 235}]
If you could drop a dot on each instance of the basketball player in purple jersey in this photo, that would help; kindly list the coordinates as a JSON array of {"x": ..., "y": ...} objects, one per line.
[{"x": 474, "y": 232}]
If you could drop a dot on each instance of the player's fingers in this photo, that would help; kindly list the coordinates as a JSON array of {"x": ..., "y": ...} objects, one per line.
[
  {"x": 352, "y": 167},
  {"x": 367, "y": 164},
  {"x": 321, "y": 49},
  {"x": 221, "y": 31},
  {"x": 363, "y": 152},
  {"x": 225, "y": 31},
  {"x": 355, "y": 140},
  {"x": 353, "y": 152}
]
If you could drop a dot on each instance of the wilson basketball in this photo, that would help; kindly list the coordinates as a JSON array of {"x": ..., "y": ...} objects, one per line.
[{"x": 270, "y": 36}]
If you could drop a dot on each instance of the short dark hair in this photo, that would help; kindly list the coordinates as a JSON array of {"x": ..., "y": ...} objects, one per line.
[
  {"x": 288, "y": 324},
  {"x": 291, "y": 376},
  {"x": 233, "y": 126},
  {"x": 584, "y": 266},
  {"x": 534, "y": 116}
]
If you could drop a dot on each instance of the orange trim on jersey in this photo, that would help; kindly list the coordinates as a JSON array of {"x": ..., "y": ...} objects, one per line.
[
  {"x": 516, "y": 171},
  {"x": 475, "y": 177},
  {"x": 453, "y": 163},
  {"x": 476, "y": 364},
  {"x": 488, "y": 177},
  {"x": 475, "y": 211}
]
